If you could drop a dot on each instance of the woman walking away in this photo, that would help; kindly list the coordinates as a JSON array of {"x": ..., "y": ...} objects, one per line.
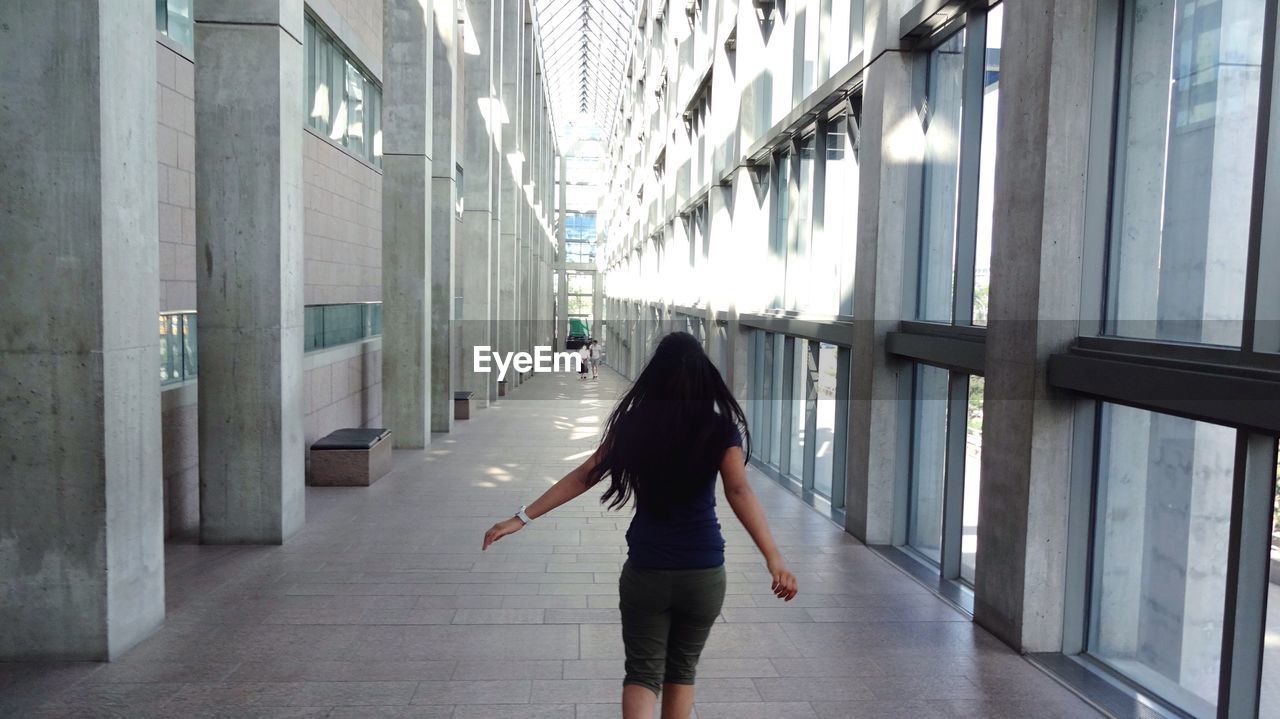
[
  {"x": 663, "y": 445},
  {"x": 593, "y": 350}
]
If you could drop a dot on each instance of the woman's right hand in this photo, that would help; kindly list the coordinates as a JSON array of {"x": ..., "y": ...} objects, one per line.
[{"x": 784, "y": 582}]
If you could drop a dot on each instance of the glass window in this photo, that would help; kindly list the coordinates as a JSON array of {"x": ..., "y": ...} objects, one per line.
[
  {"x": 173, "y": 19},
  {"x": 1185, "y": 140},
  {"x": 941, "y": 180},
  {"x": 972, "y": 478},
  {"x": 928, "y": 461},
  {"x": 775, "y": 366},
  {"x": 987, "y": 164},
  {"x": 799, "y": 269},
  {"x": 781, "y": 221},
  {"x": 1163, "y": 510},
  {"x": 825, "y": 439},
  {"x": 341, "y": 101},
  {"x": 799, "y": 405},
  {"x": 836, "y": 236}
]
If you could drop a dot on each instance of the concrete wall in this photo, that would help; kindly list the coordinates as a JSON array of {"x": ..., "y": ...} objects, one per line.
[
  {"x": 180, "y": 445},
  {"x": 343, "y": 225}
]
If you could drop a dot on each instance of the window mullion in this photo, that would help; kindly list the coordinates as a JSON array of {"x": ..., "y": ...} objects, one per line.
[
  {"x": 810, "y": 413},
  {"x": 1261, "y": 331},
  {"x": 966, "y": 234},
  {"x": 953, "y": 474},
  {"x": 1248, "y": 566},
  {"x": 840, "y": 440}
]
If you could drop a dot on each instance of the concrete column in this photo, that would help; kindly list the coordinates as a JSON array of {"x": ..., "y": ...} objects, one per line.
[
  {"x": 877, "y": 381},
  {"x": 477, "y": 118},
  {"x": 498, "y": 170},
  {"x": 506, "y": 271},
  {"x": 1037, "y": 242},
  {"x": 561, "y": 280},
  {"x": 407, "y": 214},
  {"x": 249, "y": 119},
  {"x": 81, "y": 512},
  {"x": 444, "y": 197}
]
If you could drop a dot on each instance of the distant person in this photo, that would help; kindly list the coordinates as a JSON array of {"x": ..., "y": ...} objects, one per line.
[
  {"x": 584, "y": 358},
  {"x": 593, "y": 355},
  {"x": 663, "y": 444}
]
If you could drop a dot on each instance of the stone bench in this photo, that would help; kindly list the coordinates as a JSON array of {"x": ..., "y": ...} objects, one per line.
[
  {"x": 351, "y": 458},
  {"x": 462, "y": 404}
]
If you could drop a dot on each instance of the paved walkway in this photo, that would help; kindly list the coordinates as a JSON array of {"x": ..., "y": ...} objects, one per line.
[{"x": 383, "y": 606}]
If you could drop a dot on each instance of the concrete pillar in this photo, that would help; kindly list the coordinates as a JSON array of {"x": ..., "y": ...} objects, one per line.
[
  {"x": 407, "y": 214},
  {"x": 81, "y": 512},
  {"x": 877, "y": 381},
  {"x": 249, "y": 119},
  {"x": 1037, "y": 242},
  {"x": 506, "y": 273},
  {"x": 562, "y": 284},
  {"x": 477, "y": 118},
  {"x": 498, "y": 171},
  {"x": 444, "y": 197}
]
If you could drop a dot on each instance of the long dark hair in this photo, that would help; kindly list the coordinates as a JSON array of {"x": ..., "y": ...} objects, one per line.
[{"x": 670, "y": 430}]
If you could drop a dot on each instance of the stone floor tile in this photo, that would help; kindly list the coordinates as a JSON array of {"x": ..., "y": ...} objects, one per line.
[
  {"x": 514, "y": 669},
  {"x": 500, "y": 691},
  {"x": 374, "y": 609},
  {"x": 754, "y": 710}
]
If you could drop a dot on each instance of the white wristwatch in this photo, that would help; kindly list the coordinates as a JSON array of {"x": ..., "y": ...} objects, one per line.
[{"x": 522, "y": 516}]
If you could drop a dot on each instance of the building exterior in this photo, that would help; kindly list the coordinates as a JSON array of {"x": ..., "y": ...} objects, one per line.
[{"x": 991, "y": 277}]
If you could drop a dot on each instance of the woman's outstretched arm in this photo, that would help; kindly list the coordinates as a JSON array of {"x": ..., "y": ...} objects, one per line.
[
  {"x": 570, "y": 486},
  {"x": 744, "y": 503}
]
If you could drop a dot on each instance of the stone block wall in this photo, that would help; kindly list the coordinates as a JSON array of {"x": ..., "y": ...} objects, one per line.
[
  {"x": 175, "y": 143},
  {"x": 343, "y": 388},
  {"x": 343, "y": 225}
]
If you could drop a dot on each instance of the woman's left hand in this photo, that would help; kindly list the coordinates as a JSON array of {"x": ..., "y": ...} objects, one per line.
[{"x": 507, "y": 526}]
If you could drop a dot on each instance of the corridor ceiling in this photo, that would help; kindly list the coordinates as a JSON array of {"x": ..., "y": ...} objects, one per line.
[{"x": 585, "y": 50}]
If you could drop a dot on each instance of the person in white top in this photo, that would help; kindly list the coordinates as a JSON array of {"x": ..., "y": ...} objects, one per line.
[
  {"x": 584, "y": 358},
  {"x": 593, "y": 355}
]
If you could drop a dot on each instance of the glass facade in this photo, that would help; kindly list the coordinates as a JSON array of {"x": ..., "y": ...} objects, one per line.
[
  {"x": 827, "y": 405},
  {"x": 928, "y": 462},
  {"x": 1164, "y": 487},
  {"x": 961, "y": 103},
  {"x": 941, "y": 173},
  {"x": 1184, "y": 149},
  {"x": 342, "y": 102}
]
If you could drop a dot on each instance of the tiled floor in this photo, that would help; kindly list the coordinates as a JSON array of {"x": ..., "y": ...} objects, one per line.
[{"x": 383, "y": 606}]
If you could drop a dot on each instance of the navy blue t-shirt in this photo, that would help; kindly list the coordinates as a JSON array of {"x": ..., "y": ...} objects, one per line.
[{"x": 688, "y": 537}]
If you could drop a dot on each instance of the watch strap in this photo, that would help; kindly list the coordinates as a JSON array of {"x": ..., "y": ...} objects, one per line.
[{"x": 522, "y": 516}]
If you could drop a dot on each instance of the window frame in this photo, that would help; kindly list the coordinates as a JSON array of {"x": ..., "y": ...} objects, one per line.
[
  {"x": 1139, "y": 374},
  {"x": 319, "y": 54}
]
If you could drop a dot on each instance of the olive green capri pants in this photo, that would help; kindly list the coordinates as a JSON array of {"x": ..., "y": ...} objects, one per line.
[{"x": 667, "y": 615}]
